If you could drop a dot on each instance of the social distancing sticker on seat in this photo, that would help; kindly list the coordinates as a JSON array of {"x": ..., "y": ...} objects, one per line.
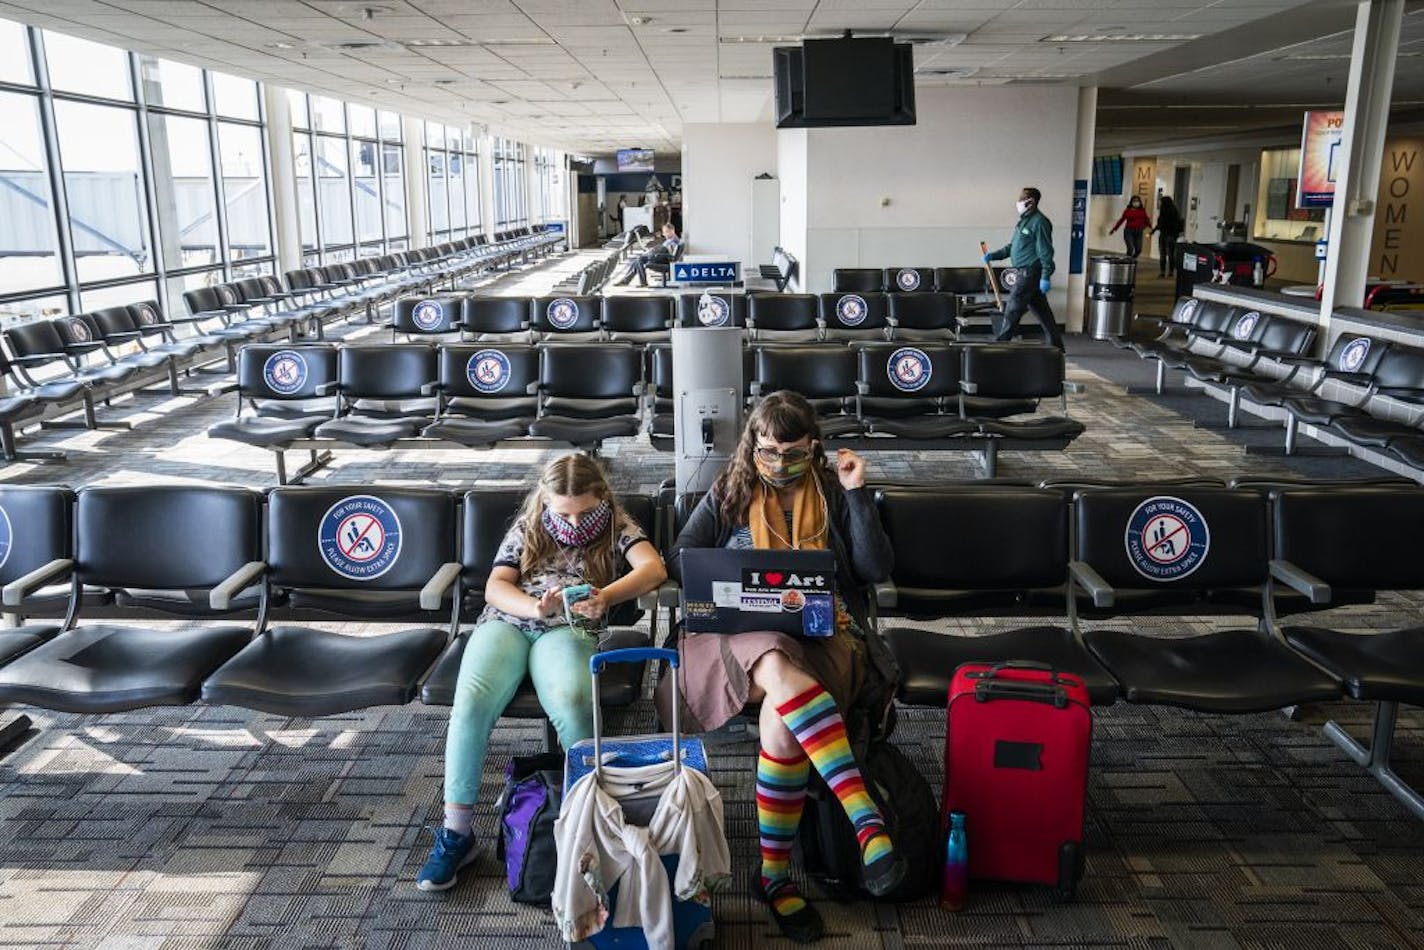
[
  {"x": 562, "y": 313},
  {"x": 852, "y": 310},
  {"x": 909, "y": 369},
  {"x": 428, "y": 315},
  {"x": 1352, "y": 357},
  {"x": 1246, "y": 325},
  {"x": 360, "y": 537},
  {"x": 908, "y": 279},
  {"x": 488, "y": 371},
  {"x": 285, "y": 372},
  {"x": 1167, "y": 539},
  {"x": 712, "y": 311}
]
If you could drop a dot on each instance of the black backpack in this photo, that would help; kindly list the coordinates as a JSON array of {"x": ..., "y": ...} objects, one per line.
[
  {"x": 830, "y": 853},
  {"x": 528, "y": 808}
]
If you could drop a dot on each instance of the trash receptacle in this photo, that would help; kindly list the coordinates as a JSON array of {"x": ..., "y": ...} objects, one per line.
[
  {"x": 1195, "y": 263},
  {"x": 1110, "y": 285}
]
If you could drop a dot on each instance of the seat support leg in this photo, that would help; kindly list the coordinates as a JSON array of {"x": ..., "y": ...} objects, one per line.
[
  {"x": 12, "y": 733},
  {"x": 551, "y": 737},
  {"x": 316, "y": 463},
  {"x": 1376, "y": 759},
  {"x": 990, "y": 458}
]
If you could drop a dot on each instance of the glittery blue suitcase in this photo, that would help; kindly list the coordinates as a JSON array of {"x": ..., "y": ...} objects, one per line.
[{"x": 693, "y": 926}]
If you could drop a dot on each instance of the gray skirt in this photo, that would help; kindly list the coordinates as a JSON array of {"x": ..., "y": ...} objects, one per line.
[{"x": 714, "y": 674}]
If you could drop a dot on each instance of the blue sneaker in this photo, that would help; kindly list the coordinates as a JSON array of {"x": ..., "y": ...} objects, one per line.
[{"x": 451, "y": 852}]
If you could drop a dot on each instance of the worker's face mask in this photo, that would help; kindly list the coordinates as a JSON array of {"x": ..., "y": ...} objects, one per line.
[
  {"x": 591, "y": 525},
  {"x": 1023, "y": 205}
]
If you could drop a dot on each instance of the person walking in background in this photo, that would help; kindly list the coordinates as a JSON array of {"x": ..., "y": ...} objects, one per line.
[
  {"x": 1133, "y": 221},
  {"x": 1031, "y": 251},
  {"x": 1169, "y": 228}
]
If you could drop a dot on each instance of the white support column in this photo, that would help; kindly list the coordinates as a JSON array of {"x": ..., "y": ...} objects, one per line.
[
  {"x": 416, "y": 174},
  {"x": 1082, "y": 171},
  {"x": 285, "y": 212},
  {"x": 1352, "y": 218}
]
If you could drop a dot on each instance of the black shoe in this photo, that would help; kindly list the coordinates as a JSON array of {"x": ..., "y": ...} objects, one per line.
[
  {"x": 884, "y": 874},
  {"x": 804, "y": 926}
]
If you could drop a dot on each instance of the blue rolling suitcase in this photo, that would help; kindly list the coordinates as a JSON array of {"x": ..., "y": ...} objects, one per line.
[{"x": 693, "y": 926}]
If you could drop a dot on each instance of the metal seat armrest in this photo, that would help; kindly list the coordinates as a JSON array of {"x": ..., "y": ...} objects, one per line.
[
  {"x": 970, "y": 388},
  {"x": 1299, "y": 579},
  {"x": 220, "y": 597},
  {"x": 1082, "y": 574},
  {"x": 887, "y": 595},
  {"x": 435, "y": 589},
  {"x": 17, "y": 590}
]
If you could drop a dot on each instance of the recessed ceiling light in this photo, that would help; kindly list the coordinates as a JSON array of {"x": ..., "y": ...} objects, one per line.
[
  {"x": 1121, "y": 38},
  {"x": 281, "y": 46},
  {"x": 676, "y": 29}
]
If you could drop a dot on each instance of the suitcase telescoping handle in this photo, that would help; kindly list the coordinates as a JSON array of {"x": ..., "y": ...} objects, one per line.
[
  {"x": 990, "y": 686},
  {"x": 598, "y": 661}
]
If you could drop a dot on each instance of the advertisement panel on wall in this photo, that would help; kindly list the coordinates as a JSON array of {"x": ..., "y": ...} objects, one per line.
[{"x": 1319, "y": 145}]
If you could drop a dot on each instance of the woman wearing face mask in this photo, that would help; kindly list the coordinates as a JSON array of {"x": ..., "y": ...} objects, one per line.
[
  {"x": 569, "y": 531},
  {"x": 1133, "y": 221},
  {"x": 780, "y": 492}
]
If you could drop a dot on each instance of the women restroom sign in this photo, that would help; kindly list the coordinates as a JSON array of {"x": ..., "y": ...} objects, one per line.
[{"x": 1319, "y": 146}]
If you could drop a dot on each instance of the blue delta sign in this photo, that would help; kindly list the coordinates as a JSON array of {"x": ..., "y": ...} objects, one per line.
[{"x": 706, "y": 272}]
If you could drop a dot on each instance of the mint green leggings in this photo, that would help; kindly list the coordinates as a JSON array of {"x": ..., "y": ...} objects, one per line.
[{"x": 497, "y": 657}]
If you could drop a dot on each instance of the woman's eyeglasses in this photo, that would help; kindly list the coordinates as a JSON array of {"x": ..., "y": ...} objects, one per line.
[{"x": 790, "y": 457}]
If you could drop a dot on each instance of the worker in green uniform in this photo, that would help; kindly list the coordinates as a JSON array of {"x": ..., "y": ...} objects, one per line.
[{"x": 1030, "y": 251}]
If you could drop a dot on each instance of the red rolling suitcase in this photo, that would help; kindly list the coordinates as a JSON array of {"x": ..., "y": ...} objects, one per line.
[{"x": 1016, "y": 764}]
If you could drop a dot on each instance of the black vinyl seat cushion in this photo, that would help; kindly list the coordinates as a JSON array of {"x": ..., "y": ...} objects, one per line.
[
  {"x": 839, "y": 427},
  {"x": 985, "y": 407},
  {"x": 106, "y": 668},
  {"x": 299, "y": 671},
  {"x": 107, "y": 374},
  {"x": 61, "y": 390},
  {"x": 17, "y": 407},
  {"x": 923, "y": 427},
  {"x": 619, "y": 684},
  {"x": 1371, "y": 432},
  {"x": 1373, "y": 666},
  {"x": 1409, "y": 449},
  {"x": 881, "y": 407},
  {"x": 928, "y": 659},
  {"x": 266, "y": 432},
  {"x": 20, "y": 640},
  {"x": 1318, "y": 412},
  {"x": 148, "y": 360},
  {"x": 369, "y": 430},
  {"x": 1232, "y": 671},
  {"x": 475, "y": 432},
  {"x": 591, "y": 408},
  {"x": 1039, "y": 427},
  {"x": 373, "y": 604},
  {"x": 584, "y": 431},
  {"x": 185, "y": 603}
]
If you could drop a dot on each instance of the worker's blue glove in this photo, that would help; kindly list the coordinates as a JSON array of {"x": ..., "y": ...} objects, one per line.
[
  {"x": 986, "y": 258},
  {"x": 1043, "y": 286}
]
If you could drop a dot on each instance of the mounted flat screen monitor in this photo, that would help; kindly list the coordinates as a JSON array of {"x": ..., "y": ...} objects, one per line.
[
  {"x": 635, "y": 159},
  {"x": 844, "y": 82}
]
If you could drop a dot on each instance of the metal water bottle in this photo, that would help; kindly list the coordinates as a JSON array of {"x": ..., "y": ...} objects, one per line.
[{"x": 956, "y": 865}]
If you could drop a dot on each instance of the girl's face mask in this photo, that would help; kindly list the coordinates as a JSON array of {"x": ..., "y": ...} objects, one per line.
[
  {"x": 591, "y": 525},
  {"x": 1021, "y": 205}
]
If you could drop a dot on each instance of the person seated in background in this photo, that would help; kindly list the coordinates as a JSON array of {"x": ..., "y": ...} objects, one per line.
[{"x": 663, "y": 254}]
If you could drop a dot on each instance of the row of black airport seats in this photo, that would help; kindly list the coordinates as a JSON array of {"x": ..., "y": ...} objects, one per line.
[
  {"x": 644, "y": 319},
  {"x": 54, "y": 368},
  {"x": 963, "y": 281},
  {"x": 1359, "y": 391},
  {"x": 107, "y": 559},
  {"x": 1169, "y": 550},
  {"x": 316, "y": 396}
]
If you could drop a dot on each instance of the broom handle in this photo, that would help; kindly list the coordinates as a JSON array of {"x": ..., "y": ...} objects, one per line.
[{"x": 998, "y": 301}]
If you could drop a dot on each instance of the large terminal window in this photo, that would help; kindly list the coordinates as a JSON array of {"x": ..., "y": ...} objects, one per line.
[{"x": 452, "y": 183}]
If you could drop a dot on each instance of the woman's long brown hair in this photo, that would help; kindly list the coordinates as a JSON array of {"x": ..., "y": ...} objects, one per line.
[
  {"x": 783, "y": 416},
  {"x": 567, "y": 476}
]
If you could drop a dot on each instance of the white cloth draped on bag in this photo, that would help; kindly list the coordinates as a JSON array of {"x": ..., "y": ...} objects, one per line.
[{"x": 598, "y": 848}]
